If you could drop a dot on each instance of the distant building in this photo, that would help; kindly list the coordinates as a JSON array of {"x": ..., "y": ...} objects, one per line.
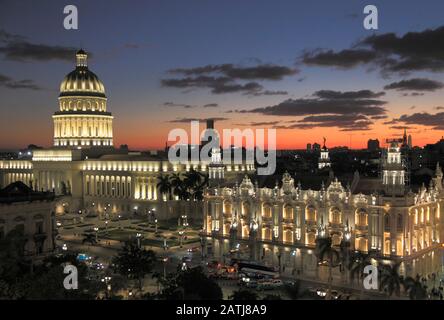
[
  {"x": 409, "y": 141},
  {"x": 316, "y": 147},
  {"x": 308, "y": 147},
  {"x": 30, "y": 213},
  {"x": 373, "y": 145}
]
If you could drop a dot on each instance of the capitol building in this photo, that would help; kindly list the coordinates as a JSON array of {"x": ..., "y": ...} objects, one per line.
[{"x": 87, "y": 173}]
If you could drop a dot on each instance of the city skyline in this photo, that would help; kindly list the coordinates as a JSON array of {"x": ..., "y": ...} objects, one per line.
[{"x": 287, "y": 68}]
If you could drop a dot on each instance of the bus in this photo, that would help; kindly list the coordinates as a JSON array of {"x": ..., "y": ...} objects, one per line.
[{"x": 254, "y": 268}]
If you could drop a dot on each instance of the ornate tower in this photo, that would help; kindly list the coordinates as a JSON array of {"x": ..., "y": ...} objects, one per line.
[
  {"x": 324, "y": 160},
  {"x": 393, "y": 170},
  {"x": 82, "y": 121}
]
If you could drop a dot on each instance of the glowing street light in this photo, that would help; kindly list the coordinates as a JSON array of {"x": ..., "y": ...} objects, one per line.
[
  {"x": 138, "y": 236},
  {"x": 96, "y": 229},
  {"x": 181, "y": 232}
]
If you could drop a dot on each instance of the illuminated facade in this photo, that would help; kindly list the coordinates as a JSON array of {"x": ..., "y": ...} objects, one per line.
[
  {"x": 91, "y": 175},
  {"x": 278, "y": 226}
]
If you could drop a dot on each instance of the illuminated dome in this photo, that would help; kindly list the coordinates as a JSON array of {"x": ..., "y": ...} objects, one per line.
[
  {"x": 82, "y": 81},
  {"x": 82, "y": 120}
]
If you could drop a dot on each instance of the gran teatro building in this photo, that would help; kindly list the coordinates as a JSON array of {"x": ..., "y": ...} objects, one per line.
[
  {"x": 279, "y": 226},
  {"x": 84, "y": 169}
]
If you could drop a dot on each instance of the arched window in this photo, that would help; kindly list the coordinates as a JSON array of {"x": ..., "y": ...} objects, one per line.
[
  {"x": 361, "y": 218},
  {"x": 266, "y": 211},
  {"x": 266, "y": 233},
  {"x": 227, "y": 207},
  {"x": 288, "y": 212},
  {"x": 335, "y": 216},
  {"x": 310, "y": 214}
]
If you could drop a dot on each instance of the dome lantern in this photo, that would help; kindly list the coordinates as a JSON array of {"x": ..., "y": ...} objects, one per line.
[{"x": 82, "y": 58}]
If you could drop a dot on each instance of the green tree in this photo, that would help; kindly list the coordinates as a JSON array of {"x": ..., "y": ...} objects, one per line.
[
  {"x": 414, "y": 288},
  {"x": 134, "y": 262},
  {"x": 358, "y": 261},
  {"x": 390, "y": 281},
  {"x": 326, "y": 253},
  {"x": 164, "y": 186},
  {"x": 190, "y": 284}
]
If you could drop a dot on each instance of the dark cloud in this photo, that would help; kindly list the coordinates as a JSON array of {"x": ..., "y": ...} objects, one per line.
[
  {"x": 349, "y": 110},
  {"x": 179, "y": 105},
  {"x": 435, "y": 121},
  {"x": 217, "y": 85},
  {"x": 379, "y": 117},
  {"x": 260, "y": 124},
  {"x": 415, "y": 84},
  {"x": 343, "y": 59},
  {"x": 270, "y": 93},
  {"x": 228, "y": 78},
  {"x": 413, "y": 51},
  {"x": 259, "y": 72},
  {"x": 361, "y": 94},
  {"x": 413, "y": 94},
  {"x": 402, "y": 127},
  {"x": 318, "y": 105},
  {"x": 10, "y": 83},
  {"x": 211, "y": 105},
  {"x": 350, "y": 122},
  {"x": 18, "y": 48},
  {"x": 188, "y": 120}
]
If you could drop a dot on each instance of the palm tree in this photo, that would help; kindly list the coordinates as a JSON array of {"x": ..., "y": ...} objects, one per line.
[
  {"x": 415, "y": 288},
  {"x": 175, "y": 180},
  {"x": 356, "y": 265},
  {"x": 164, "y": 185},
  {"x": 390, "y": 280},
  {"x": 326, "y": 253}
]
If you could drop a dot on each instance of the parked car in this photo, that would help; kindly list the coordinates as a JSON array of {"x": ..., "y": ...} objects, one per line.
[
  {"x": 193, "y": 249},
  {"x": 277, "y": 282},
  {"x": 186, "y": 259},
  {"x": 265, "y": 285},
  {"x": 251, "y": 284}
]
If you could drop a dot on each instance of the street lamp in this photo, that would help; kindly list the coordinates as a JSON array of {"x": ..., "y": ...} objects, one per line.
[
  {"x": 181, "y": 238},
  {"x": 138, "y": 236},
  {"x": 165, "y": 260},
  {"x": 64, "y": 247},
  {"x": 106, "y": 227},
  {"x": 106, "y": 280},
  {"x": 155, "y": 221},
  {"x": 96, "y": 229}
]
